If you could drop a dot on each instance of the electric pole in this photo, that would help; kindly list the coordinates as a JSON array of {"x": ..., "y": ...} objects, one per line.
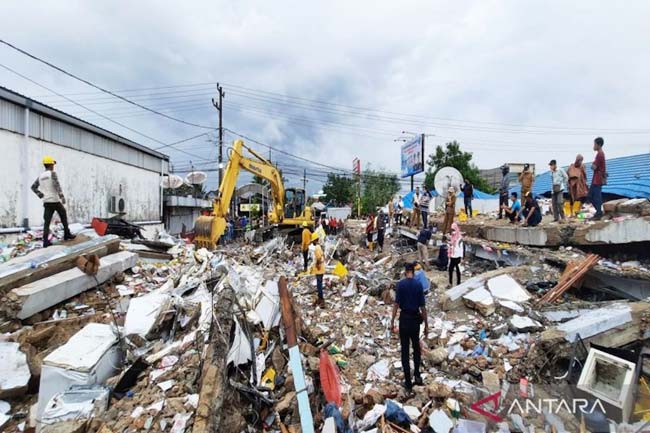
[
  {"x": 219, "y": 107},
  {"x": 304, "y": 180}
]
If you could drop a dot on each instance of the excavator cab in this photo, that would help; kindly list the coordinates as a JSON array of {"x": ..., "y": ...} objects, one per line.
[{"x": 294, "y": 199}]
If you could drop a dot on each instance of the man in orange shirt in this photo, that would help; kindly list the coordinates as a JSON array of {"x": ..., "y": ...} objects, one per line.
[
  {"x": 306, "y": 240},
  {"x": 318, "y": 269}
]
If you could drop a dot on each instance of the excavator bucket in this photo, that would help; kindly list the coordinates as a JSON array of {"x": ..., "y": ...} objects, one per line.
[{"x": 208, "y": 230}]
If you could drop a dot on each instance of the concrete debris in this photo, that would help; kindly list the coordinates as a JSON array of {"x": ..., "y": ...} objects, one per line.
[
  {"x": 14, "y": 370},
  {"x": 232, "y": 340}
]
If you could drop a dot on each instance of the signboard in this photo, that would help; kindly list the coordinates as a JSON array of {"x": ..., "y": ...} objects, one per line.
[
  {"x": 249, "y": 207},
  {"x": 356, "y": 166},
  {"x": 413, "y": 157}
]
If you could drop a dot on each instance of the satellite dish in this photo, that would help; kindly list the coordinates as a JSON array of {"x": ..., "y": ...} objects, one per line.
[
  {"x": 196, "y": 178},
  {"x": 447, "y": 177},
  {"x": 172, "y": 181}
]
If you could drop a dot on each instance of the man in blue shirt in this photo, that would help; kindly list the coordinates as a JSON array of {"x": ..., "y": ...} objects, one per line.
[
  {"x": 422, "y": 278},
  {"x": 410, "y": 301},
  {"x": 513, "y": 212}
]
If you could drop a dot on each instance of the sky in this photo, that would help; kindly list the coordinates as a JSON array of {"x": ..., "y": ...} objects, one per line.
[{"x": 512, "y": 81}]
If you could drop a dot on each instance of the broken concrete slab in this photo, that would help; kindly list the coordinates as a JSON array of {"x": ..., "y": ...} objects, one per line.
[
  {"x": 89, "y": 357},
  {"x": 452, "y": 298},
  {"x": 596, "y": 322},
  {"x": 145, "y": 312},
  {"x": 440, "y": 421},
  {"x": 14, "y": 370},
  {"x": 44, "y": 262},
  {"x": 524, "y": 324},
  {"x": 40, "y": 295},
  {"x": 510, "y": 307},
  {"x": 481, "y": 300},
  {"x": 507, "y": 288}
]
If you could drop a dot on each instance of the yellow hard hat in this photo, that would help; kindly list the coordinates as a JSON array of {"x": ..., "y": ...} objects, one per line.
[
  {"x": 314, "y": 236},
  {"x": 304, "y": 224},
  {"x": 418, "y": 267},
  {"x": 48, "y": 160}
]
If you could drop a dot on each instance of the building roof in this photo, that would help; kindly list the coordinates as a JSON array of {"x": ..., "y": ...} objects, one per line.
[
  {"x": 46, "y": 110},
  {"x": 629, "y": 176}
]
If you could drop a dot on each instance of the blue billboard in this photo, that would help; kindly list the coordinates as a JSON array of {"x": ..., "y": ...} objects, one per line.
[{"x": 413, "y": 157}]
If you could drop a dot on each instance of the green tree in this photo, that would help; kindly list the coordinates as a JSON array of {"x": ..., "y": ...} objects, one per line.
[
  {"x": 378, "y": 189},
  {"x": 260, "y": 180},
  {"x": 340, "y": 189},
  {"x": 185, "y": 190},
  {"x": 453, "y": 156}
]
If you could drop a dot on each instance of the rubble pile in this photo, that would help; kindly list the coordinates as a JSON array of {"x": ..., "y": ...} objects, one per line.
[{"x": 163, "y": 337}]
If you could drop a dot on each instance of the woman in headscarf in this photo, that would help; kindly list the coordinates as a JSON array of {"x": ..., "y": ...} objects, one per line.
[
  {"x": 450, "y": 210},
  {"x": 456, "y": 253},
  {"x": 578, "y": 189}
]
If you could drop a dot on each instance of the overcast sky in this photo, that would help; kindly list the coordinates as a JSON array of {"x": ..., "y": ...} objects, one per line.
[{"x": 512, "y": 81}]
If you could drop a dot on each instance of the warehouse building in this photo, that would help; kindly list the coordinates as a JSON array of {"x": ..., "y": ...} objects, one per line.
[{"x": 101, "y": 173}]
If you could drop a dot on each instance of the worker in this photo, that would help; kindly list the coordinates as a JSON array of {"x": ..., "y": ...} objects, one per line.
[
  {"x": 526, "y": 180},
  {"x": 423, "y": 250},
  {"x": 450, "y": 210},
  {"x": 410, "y": 301},
  {"x": 442, "y": 262},
  {"x": 578, "y": 189},
  {"x": 47, "y": 188},
  {"x": 456, "y": 253},
  {"x": 559, "y": 179},
  {"x": 333, "y": 226},
  {"x": 503, "y": 188},
  {"x": 370, "y": 229},
  {"x": 415, "y": 217},
  {"x": 599, "y": 178},
  {"x": 399, "y": 210},
  {"x": 306, "y": 240},
  {"x": 380, "y": 225},
  {"x": 318, "y": 269},
  {"x": 422, "y": 278}
]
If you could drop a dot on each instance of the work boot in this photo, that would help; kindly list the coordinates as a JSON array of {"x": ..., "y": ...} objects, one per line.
[
  {"x": 68, "y": 236},
  {"x": 418, "y": 381},
  {"x": 46, "y": 243},
  {"x": 408, "y": 386}
]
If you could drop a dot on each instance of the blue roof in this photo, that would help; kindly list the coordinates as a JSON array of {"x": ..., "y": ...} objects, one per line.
[{"x": 629, "y": 176}]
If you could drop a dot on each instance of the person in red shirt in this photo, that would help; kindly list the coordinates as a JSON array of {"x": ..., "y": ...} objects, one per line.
[
  {"x": 598, "y": 179},
  {"x": 333, "y": 226}
]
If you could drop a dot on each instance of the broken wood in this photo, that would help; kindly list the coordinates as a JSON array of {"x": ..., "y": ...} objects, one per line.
[{"x": 572, "y": 276}]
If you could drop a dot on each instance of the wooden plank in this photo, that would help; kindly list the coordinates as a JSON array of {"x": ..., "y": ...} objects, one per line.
[{"x": 43, "y": 263}]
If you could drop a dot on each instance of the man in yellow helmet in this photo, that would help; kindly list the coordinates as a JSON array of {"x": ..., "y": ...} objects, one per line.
[
  {"x": 318, "y": 269},
  {"x": 48, "y": 189},
  {"x": 306, "y": 240}
]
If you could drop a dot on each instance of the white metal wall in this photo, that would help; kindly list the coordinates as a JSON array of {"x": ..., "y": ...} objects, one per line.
[{"x": 87, "y": 180}]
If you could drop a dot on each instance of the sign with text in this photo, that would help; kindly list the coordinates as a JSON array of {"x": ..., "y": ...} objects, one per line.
[
  {"x": 249, "y": 207},
  {"x": 413, "y": 157}
]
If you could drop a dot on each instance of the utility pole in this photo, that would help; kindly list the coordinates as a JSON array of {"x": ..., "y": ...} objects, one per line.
[
  {"x": 304, "y": 180},
  {"x": 219, "y": 107}
]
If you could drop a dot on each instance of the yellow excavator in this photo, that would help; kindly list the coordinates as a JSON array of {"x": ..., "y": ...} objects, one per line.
[{"x": 289, "y": 205}]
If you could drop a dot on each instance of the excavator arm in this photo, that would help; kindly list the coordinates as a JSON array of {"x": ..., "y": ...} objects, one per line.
[{"x": 208, "y": 229}]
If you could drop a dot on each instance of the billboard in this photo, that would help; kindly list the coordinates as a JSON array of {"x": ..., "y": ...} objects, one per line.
[{"x": 413, "y": 157}]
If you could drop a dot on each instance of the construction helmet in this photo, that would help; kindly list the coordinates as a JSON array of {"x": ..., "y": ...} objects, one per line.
[
  {"x": 314, "y": 237},
  {"x": 48, "y": 160}
]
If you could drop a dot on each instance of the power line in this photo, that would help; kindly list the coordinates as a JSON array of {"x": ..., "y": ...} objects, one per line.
[{"x": 100, "y": 88}]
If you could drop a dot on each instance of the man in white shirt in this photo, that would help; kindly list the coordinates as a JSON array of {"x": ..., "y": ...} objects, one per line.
[
  {"x": 559, "y": 179},
  {"x": 48, "y": 189}
]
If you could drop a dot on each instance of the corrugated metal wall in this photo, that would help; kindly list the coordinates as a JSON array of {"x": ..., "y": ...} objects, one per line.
[{"x": 61, "y": 133}]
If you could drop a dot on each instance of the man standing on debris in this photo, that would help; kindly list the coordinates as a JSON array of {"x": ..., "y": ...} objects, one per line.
[
  {"x": 503, "y": 188},
  {"x": 318, "y": 269},
  {"x": 450, "y": 210},
  {"x": 468, "y": 195},
  {"x": 410, "y": 301},
  {"x": 423, "y": 250},
  {"x": 456, "y": 253},
  {"x": 532, "y": 213},
  {"x": 306, "y": 240},
  {"x": 559, "y": 179},
  {"x": 370, "y": 228},
  {"x": 380, "y": 224},
  {"x": 399, "y": 206},
  {"x": 415, "y": 218},
  {"x": 422, "y": 278},
  {"x": 47, "y": 188},
  {"x": 578, "y": 189},
  {"x": 526, "y": 180},
  {"x": 598, "y": 179},
  {"x": 424, "y": 207}
]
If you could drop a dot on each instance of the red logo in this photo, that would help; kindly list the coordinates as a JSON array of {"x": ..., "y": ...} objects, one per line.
[{"x": 483, "y": 407}]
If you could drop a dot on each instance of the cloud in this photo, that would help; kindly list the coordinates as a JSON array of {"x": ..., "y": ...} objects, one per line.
[{"x": 488, "y": 66}]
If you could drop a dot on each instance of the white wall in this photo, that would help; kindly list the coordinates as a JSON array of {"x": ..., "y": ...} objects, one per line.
[{"x": 87, "y": 181}]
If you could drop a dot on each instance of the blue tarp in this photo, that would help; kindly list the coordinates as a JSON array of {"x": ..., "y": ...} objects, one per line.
[
  {"x": 478, "y": 195},
  {"x": 629, "y": 176}
]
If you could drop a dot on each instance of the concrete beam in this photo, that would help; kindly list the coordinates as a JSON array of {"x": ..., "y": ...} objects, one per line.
[{"x": 32, "y": 298}]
